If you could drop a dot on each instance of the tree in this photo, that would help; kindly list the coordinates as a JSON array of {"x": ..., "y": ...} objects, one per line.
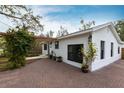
[
  {"x": 62, "y": 32},
  {"x": 50, "y": 34},
  {"x": 86, "y": 25},
  {"x": 2, "y": 43},
  {"x": 22, "y": 16},
  {"x": 119, "y": 26},
  {"x": 19, "y": 40},
  {"x": 36, "y": 49},
  {"x": 2, "y": 46},
  {"x": 18, "y": 43}
]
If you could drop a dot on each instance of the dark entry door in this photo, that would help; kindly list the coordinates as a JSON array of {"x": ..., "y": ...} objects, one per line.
[{"x": 74, "y": 53}]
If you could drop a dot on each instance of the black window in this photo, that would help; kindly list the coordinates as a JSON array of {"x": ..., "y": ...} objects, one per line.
[
  {"x": 74, "y": 53},
  {"x": 45, "y": 46},
  {"x": 118, "y": 50},
  {"x": 112, "y": 45},
  {"x": 57, "y": 45},
  {"x": 102, "y": 50}
]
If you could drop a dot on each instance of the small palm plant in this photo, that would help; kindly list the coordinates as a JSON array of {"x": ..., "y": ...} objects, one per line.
[{"x": 88, "y": 57}]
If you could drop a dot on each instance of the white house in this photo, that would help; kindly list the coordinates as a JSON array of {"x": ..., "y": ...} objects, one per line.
[{"x": 104, "y": 37}]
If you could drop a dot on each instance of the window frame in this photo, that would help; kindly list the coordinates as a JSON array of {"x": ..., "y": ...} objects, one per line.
[
  {"x": 118, "y": 49},
  {"x": 56, "y": 44},
  {"x": 112, "y": 49},
  {"x": 45, "y": 46},
  {"x": 76, "y": 58},
  {"x": 102, "y": 49}
]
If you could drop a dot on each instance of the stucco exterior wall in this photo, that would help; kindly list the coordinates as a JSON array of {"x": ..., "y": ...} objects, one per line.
[
  {"x": 106, "y": 35},
  {"x": 63, "y": 46}
]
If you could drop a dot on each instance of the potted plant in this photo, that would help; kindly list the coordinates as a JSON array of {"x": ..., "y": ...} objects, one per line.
[
  {"x": 88, "y": 57},
  {"x": 53, "y": 55},
  {"x": 54, "y": 58},
  {"x": 59, "y": 59},
  {"x": 85, "y": 68}
]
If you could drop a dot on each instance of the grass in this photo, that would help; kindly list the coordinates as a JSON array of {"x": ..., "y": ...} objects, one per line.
[
  {"x": 3, "y": 59},
  {"x": 4, "y": 62},
  {"x": 3, "y": 67}
]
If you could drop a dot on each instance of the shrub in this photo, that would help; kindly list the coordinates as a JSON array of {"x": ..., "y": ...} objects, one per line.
[
  {"x": 18, "y": 43},
  {"x": 88, "y": 55}
]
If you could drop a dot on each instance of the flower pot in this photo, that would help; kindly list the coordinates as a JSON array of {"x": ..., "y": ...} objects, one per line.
[
  {"x": 59, "y": 59},
  {"x": 54, "y": 58},
  {"x": 50, "y": 56},
  {"x": 85, "y": 69}
]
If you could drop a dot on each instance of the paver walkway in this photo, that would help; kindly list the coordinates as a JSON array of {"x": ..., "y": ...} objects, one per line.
[
  {"x": 47, "y": 73},
  {"x": 36, "y": 57}
]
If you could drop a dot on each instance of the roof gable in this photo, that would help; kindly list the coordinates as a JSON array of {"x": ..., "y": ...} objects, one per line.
[{"x": 110, "y": 25}]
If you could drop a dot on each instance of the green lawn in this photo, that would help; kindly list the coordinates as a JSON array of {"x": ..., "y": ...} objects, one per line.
[
  {"x": 4, "y": 63},
  {"x": 3, "y": 59},
  {"x": 3, "y": 66}
]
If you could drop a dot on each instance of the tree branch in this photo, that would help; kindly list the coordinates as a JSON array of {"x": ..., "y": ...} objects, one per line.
[{"x": 8, "y": 15}]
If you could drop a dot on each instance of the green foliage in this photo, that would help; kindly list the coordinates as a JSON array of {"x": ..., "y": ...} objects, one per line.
[
  {"x": 89, "y": 55},
  {"x": 22, "y": 15},
  {"x": 119, "y": 25},
  {"x": 2, "y": 43},
  {"x": 36, "y": 49},
  {"x": 18, "y": 43},
  {"x": 2, "y": 46}
]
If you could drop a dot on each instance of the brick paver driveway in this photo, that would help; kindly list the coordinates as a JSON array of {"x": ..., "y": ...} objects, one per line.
[{"x": 47, "y": 73}]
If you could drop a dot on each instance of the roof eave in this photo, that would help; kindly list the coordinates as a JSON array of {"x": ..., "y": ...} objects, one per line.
[{"x": 75, "y": 34}]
